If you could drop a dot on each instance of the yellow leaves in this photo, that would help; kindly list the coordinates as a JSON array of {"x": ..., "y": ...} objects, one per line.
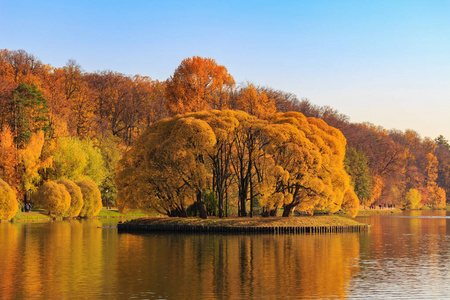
[
  {"x": 254, "y": 102},
  {"x": 296, "y": 161},
  {"x": 8, "y": 202},
  {"x": 30, "y": 159},
  {"x": 351, "y": 202},
  {"x": 54, "y": 198}
]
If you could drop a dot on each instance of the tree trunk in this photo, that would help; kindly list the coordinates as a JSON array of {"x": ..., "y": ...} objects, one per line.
[
  {"x": 220, "y": 206},
  {"x": 251, "y": 196},
  {"x": 273, "y": 212},
  {"x": 288, "y": 209},
  {"x": 243, "y": 209},
  {"x": 201, "y": 204}
]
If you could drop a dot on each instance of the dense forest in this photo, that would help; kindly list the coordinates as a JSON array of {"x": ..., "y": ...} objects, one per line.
[{"x": 67, "y": 123}]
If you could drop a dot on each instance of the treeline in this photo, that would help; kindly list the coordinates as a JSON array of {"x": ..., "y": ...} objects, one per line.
[
  {"x": 387, "y": 165},
  {"x": 110, "y": 110}
]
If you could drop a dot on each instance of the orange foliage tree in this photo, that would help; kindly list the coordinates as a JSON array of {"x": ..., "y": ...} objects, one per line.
[{"x": 197, "y": 84}]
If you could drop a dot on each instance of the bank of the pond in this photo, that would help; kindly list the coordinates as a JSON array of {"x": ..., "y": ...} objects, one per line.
[
  {"x": 41, "y": 216},
  {"x": 302, "y": 224},
  {"x": 372, "y": 212}
]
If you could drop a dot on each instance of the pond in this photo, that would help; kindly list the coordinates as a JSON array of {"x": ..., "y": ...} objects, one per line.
[{"x": 404, "y": 256}]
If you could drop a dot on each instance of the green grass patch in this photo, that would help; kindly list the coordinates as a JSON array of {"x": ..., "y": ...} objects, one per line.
[
  {"x": 113, "y": 213},
  {"x": 40, "y": 215},
  {"x": 295, "y": 221},
  {"x": 375, "y": 212},
  {"x": 31, "y": 216}
]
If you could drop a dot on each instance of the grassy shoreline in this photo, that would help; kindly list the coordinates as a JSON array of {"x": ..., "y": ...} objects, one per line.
[
  {"x": 295, "y": 221},
  {"x": 41, "y": 216}
]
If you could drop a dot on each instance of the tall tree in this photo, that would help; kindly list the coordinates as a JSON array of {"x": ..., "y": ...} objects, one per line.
[
  {"x": 356, "y": 166},
  {"x": 198, "y": 84},
  {"x": 30, "y": 113}
]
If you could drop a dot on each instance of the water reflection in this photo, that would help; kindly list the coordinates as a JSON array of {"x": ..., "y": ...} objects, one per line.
[
  {"x": 398, "y": 258},
  {"x": 404, "y": 257},
  {"x": 232, "y": 266},
  {"x": 79, "y": 260}
]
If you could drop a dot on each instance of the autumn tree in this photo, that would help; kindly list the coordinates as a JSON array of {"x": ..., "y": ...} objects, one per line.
[
  {"x": 254, "y": 102},
  {"x": 92, "y": 200},
  {"x": 198, "y": 84},
  {"x": 31, "y": 162},
  {"x": 76, "y": 198},
  {"x": 18, "y": 66},
  {"x": 309, "y": 157},
  {"x": 76, "y": 159},
  {"x": 54, "y": 198},
  {"x": 8, "y": 202},
  {"x": 8, "y": 157},
  {"x": 412, "y": 199}
]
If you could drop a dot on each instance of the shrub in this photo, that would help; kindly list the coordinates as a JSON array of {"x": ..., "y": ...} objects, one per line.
[
  {"x": 91, "y": 198},
  {"x": 54, "y": 198},
  {"x": 76, "y": 203},
  {"x": 8, "y": 202}
]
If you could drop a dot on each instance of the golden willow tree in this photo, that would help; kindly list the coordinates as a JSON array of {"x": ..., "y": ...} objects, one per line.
[{"x": 286, "y": 161}]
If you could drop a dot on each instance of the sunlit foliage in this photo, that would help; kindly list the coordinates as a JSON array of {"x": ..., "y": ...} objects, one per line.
[
  {"x": 8, "y": 160},
  {"x": 8, "y": 202},
  {"x": 92, "y": 201},
  {"x": 76, "y": 159},
  {"x": 198, "y": 84},
  {"x": 76, "y": 198},
  {"x": 287, "y": 161},
  {"x": 31, "y": 161},
  {"x": 54, "y": 198},
  {"x": 412, "y": 199}
]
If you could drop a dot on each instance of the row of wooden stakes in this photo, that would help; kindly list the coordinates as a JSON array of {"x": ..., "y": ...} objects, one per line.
[{"x": 129, "y": 227}]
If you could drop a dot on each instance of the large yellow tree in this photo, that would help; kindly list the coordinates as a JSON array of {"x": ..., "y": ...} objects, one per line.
[{"x": 287, "y": 161}]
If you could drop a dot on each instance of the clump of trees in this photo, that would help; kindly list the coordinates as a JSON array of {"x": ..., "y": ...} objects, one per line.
[
  {"x": 8, "y": 202},
  {"x": 64, "y": 198},
  {"x": 54, "y": 198},
  {"x": 76, "y": 197},
  {"x": 286, "y": 161}
]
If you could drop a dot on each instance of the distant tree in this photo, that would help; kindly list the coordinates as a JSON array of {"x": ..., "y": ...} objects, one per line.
[
  {"x": 198, "y": 84},
  {"x": 254, "y": 102},
  {"x": 442, "y": 141}
]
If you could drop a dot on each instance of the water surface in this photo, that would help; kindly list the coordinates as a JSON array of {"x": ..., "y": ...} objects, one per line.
[{"x": 400, "y": 257}]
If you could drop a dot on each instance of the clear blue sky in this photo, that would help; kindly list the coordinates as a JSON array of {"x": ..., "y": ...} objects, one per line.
[{"x": 385, "y": 62}]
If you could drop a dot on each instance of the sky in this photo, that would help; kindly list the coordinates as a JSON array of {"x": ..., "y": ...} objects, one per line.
[{"x": 384, "y": 62}]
